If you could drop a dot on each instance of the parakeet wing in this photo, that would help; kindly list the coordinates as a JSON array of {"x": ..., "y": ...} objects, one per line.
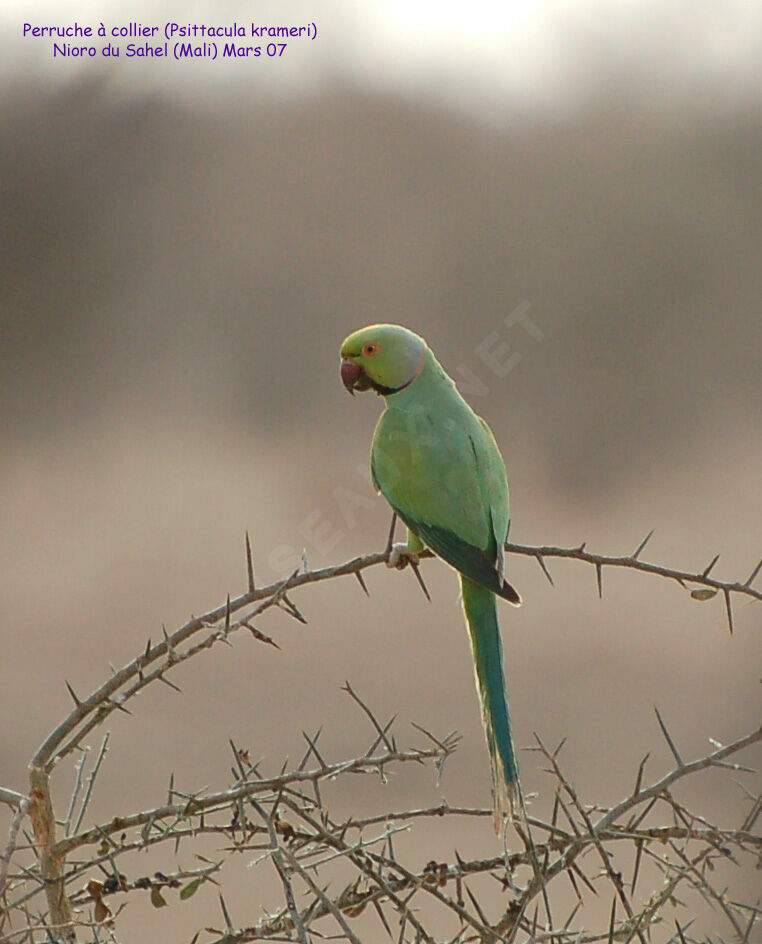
[{"x": 446, "y": 480}]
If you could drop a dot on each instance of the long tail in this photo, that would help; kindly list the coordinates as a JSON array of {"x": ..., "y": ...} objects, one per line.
[{"x": 480, "y": 608}]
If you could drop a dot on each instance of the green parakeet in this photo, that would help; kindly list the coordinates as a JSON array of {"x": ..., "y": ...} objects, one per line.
[{"x": 437, "y": 464}]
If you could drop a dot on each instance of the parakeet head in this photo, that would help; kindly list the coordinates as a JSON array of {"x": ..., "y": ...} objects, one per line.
[{"x": 383, "y": 357}]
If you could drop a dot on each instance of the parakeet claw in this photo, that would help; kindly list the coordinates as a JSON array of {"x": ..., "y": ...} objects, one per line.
[{"x": 399, "y": 557}]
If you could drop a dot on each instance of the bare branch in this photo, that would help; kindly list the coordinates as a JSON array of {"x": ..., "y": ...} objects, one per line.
[
  {"x": 286, "y": 820},
  {"x": 632, "y": 562}
]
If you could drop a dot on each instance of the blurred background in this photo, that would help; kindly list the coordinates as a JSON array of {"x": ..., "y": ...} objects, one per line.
[{"x": 564, "y": 199}]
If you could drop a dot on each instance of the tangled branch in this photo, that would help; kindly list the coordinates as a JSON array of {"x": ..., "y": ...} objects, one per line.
[{"x": 56, "y": 885}]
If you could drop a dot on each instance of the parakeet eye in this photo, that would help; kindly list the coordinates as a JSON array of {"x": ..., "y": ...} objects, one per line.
[{"x": 370, "y": 349}]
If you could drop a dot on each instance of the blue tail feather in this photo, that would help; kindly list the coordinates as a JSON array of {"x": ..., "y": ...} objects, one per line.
[{"x": 480, "y": 608}]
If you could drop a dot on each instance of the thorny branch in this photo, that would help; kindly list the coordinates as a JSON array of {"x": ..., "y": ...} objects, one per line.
[
  {"x": 51, "y": 888},
  {"x": 132, "y": 678}
]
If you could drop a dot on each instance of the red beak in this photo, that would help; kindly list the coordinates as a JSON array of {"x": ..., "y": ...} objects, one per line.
[{"x": 350, "y": 373}]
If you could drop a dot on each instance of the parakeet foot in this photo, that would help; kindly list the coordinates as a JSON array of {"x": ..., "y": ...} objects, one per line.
[{"x": 399, "y": 557}]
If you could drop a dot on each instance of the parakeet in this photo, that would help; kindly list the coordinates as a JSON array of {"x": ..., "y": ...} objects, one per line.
[{"x": 437, "y": 464}]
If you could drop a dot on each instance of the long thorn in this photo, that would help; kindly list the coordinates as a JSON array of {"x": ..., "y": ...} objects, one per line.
[
  {"x": 541, "y": 562},
  {"x": 729, "y": 610},
  {"x": 711, "y": 565},
  {"x": 225, "y": 913},
  {"x": 292, "y": 609},
  {"x": 258, "y": 634},
  {"x": 639, "y": 778},
  {"x": 417, "y": 572},
  {"x": 753, "y": 574},
  {"x": 171, "y": 684},
  {"x": 636, "y": 869},
  {"x": 361, "y": 581},
  {"x": 669, "y": 740},
  {"x": 612, "y": 921},
  {"x": 642, "y": 544},
  {"x": 168, "y": 642},
  {"x": 346, "y": 687},
  {"x": 249, "y": 565}
]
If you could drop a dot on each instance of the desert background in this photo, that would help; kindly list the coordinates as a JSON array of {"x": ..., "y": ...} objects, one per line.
[{"x": 179, "y": 262}]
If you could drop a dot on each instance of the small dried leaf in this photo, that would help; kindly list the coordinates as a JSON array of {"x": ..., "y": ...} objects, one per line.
[
  {"x": 191, "y": 888},
  {"x": 703, "y": 593},
  {"x": 284, "y": 828},
  {"x": 102, "y": 911},
  {"x": 157, "y": 899},
  {"x": 355, "y": 911}
]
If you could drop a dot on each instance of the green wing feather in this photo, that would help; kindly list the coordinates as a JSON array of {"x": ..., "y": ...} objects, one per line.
[{"x": 439, "y": 467}]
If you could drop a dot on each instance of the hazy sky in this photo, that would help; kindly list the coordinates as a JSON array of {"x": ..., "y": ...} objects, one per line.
[{"x": 475, "y": 54}]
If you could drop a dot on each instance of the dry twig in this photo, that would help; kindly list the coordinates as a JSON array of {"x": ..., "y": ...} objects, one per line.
[{"x": 49, "y": 884}]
